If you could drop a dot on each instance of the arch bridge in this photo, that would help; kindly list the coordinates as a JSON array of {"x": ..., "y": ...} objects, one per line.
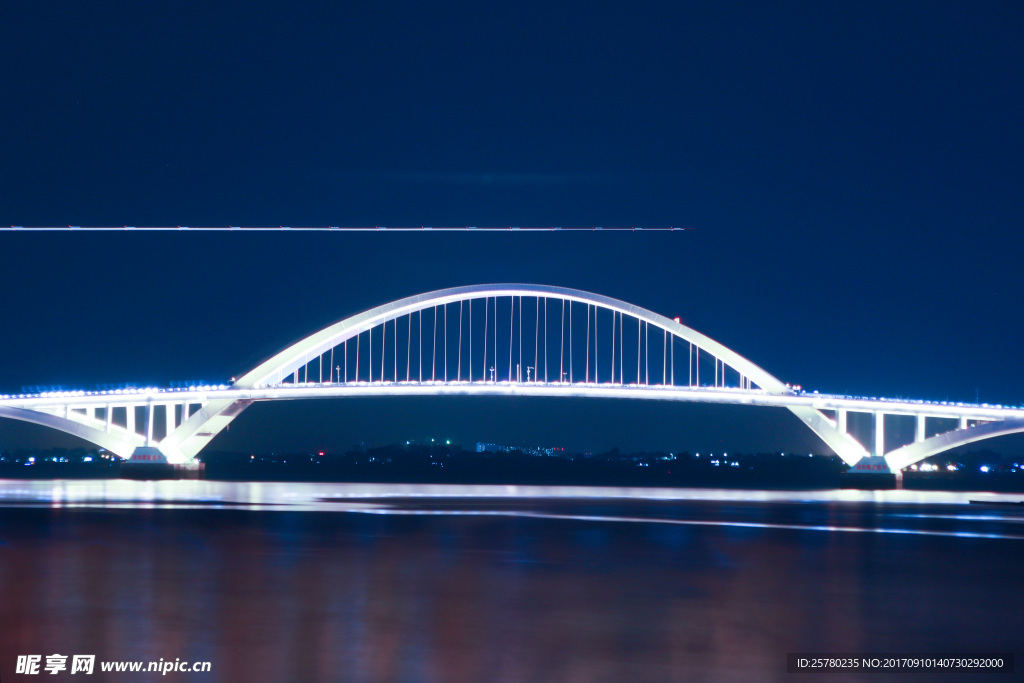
[{"x": 508, "y": 340}]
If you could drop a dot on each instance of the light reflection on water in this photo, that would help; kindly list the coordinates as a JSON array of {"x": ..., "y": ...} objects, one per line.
[
  {"x": 691, "y": 522},
  {"x": 335, "y": 582},
  {"x": 326, "y": 496}
]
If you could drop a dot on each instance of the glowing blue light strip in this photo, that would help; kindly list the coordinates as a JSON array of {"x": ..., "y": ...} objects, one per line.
[{"x": 689, "y": 522}]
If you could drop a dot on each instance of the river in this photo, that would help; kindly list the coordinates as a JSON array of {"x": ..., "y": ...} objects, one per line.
[{"x": 373, "y": 582}]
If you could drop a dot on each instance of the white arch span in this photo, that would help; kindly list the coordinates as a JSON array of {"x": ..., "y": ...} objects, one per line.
[
  {"x": 295, "y": 356},
  {"x": 916, "y": 452},
  {"x": 118, "y": 441},
  {"x": 190, "y": 438}
]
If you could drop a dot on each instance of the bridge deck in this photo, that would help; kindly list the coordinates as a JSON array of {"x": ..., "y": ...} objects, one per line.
[{"x": 728, "y": 396}]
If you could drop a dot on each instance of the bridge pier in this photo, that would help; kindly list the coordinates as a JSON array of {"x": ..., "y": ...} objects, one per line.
[
  {"x": 149, "y": 462},
  {"x": 873, "y": 472},
  {"x": 149, "y": 455},
  {"x": 871, "y": 464}
]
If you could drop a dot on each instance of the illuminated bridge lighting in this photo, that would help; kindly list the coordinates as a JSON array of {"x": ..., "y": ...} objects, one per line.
[{"x": 501, "y": 340}]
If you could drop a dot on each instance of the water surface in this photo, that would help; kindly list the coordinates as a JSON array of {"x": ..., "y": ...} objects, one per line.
[{"x": 327, "y": 582}]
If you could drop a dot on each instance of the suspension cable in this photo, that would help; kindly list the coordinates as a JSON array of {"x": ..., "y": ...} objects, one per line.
[
  {"x": 613, "y": 314},
  {"x": 433, "y": 354},
  {"x": 459, "y": 364},
  {"x": 519, "y": 369},
  {"x": 639, "y": 348},
  {"x": 511, "y": 331},
  {"x": 561, "y": 353},
  {"x": 586, "y": 364},
  {"x": 487, "y": 307},
  {"x": 536, "y": 342}
]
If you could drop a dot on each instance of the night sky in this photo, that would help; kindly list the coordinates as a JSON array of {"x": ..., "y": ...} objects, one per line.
[{"x": 850, "y": 176}]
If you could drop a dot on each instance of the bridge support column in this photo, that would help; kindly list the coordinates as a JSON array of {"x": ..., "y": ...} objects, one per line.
[
  {"x": 148, "y": 455},
  {"x": 919, "y": 432},
  {"x": 110, "y": 415},
  {"x": 879, "y": 434},
  {"x": 963, "y": 423},
  {"x": 841, "y": 420}
]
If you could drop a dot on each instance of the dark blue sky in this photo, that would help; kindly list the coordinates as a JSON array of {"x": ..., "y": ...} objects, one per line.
[{"x": 851, "y": 172}]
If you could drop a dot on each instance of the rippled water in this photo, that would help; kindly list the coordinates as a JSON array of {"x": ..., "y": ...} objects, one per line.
[{"x": 325, "y": 582}]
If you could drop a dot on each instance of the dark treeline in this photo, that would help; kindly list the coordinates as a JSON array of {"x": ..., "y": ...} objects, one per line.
[
  {"x": 442, "y": 463},
  {"x": 432, "y": 463},
  {"x": 452, "y": 464},
  {"x": 58, "y": 463}
]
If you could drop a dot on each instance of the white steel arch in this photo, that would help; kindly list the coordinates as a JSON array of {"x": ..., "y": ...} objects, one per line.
[
  {"x": 282, "y": 364},
  {"x": 186, "y": 441},
  {"x": 120, "y": 443},
  {"x": 916, "y": 452}
]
